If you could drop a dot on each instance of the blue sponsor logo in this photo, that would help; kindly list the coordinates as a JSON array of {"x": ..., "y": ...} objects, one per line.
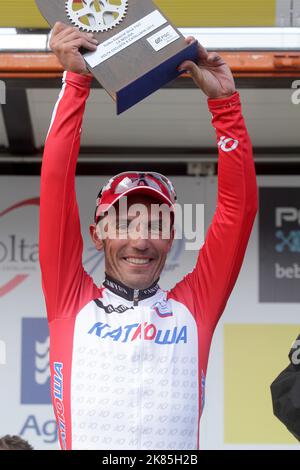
[
  {"x": 133, "y": 332},
  {"x": 35, "y": 382}
]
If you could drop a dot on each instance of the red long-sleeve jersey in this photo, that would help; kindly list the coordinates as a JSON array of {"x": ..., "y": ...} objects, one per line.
[{"x": 126, "y": 376}]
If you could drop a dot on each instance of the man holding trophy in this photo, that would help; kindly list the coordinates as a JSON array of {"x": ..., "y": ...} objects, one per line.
[{"x": 128, "y": 360}]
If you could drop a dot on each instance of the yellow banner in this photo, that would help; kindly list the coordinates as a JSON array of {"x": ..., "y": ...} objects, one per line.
[
  {"x": 254, "y": 355},
  {"x": 184, "y": 13},
  {"x": 207, "y": 13}
]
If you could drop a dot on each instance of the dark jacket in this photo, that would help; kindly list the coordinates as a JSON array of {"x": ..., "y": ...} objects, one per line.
[{"x": 285, "y": 392}]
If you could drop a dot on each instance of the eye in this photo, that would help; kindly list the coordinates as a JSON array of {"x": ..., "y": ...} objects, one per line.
[
  {"x": 156, "y": 227},
  {"x": 122, "y": 225}
]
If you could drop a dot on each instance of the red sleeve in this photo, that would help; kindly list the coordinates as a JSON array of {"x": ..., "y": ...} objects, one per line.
[
  {"x": 67, "y": 288},
  {"x": 207, "y": 288}
]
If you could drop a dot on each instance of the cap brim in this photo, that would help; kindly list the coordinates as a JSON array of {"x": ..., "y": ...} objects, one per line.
[{"x": 157, "y": 195}]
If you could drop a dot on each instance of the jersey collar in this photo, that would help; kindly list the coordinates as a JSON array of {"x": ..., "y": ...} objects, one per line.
[{"x": 134, "y": 295}]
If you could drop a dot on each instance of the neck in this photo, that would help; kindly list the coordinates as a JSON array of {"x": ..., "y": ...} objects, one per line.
[{"x": 128, "y": 293}]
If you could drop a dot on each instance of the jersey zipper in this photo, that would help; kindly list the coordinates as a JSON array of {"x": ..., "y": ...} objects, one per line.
[{"x": 136, "y": 297}]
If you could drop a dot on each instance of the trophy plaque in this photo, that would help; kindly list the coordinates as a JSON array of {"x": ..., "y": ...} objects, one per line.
[{"x": 139, "y": 49}]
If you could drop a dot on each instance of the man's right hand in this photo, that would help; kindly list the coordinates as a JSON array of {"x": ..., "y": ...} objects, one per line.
[{"x": 66, "y": 41}]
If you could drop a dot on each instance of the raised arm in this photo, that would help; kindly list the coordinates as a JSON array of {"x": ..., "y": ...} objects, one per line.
[
  {"x": 208, "y": 287},
  {"x": 65, "y": 283}
]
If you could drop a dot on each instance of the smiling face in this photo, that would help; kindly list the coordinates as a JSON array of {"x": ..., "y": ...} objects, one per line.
[{"x": 137, "y": 254}]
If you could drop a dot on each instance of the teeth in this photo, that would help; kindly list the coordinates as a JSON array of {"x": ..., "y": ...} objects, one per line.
[{"x": 138, "y": 260}]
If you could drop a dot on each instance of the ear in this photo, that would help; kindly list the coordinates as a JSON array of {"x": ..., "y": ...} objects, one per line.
[{"x": 98, "y": 242}]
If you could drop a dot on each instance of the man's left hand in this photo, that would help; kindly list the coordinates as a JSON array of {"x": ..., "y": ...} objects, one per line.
[{"x": 211, "y": 74}]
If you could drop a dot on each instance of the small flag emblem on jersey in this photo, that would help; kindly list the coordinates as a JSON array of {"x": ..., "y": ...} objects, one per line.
[{"x": 162, "y": 309}]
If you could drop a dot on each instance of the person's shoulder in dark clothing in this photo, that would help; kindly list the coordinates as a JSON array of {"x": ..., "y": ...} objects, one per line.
[{"x": 285, "y": 392}]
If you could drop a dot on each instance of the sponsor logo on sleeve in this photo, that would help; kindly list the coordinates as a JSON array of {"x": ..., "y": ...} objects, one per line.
[
  {"x": 58, "y": 394},
  {"x": 228, "y": 144}
]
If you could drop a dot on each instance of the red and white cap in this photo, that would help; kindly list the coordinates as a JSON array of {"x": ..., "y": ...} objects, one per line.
[{"x": 123, "y": 184}]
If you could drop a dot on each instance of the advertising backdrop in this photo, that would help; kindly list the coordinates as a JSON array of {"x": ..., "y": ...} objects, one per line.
[{"x": 250, "y": 345}]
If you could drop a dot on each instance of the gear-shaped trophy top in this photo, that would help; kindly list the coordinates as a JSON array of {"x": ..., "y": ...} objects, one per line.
[{"x": 96, "y": 16}]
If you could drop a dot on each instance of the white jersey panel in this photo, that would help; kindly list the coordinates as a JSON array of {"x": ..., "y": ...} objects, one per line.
[{"x": 134, "y": 381}]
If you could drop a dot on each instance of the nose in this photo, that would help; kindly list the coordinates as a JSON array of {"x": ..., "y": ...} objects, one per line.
[
  {"x": 140, "y": 240},
  {"x": 139, "y": 243}
]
